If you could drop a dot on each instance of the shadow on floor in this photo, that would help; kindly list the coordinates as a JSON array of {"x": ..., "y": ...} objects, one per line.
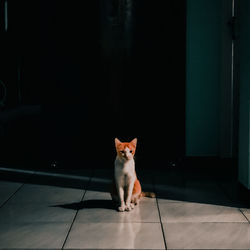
[
  {"x": 107, "y": 204},
  {"x": 173, "y": 184}
]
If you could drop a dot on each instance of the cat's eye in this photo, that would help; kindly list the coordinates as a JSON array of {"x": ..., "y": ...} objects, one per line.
[
  {"x": 122, "y": 152},
  {"x": 131, "y": 151}
]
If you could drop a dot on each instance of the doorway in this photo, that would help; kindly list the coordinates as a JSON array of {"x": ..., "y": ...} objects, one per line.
[
  {"x": 103, "y": 69},
  {"x": 143, "y": 49}
]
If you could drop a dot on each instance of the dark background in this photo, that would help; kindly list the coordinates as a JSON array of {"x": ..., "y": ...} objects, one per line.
[{"x": 80, "y": 73}]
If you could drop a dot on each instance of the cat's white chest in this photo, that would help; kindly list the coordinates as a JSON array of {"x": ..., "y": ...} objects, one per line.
[{"x": 125, "y": 172}]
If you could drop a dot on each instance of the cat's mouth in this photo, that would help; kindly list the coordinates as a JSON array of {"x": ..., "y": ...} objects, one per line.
[{"x": 127, "y": 157}]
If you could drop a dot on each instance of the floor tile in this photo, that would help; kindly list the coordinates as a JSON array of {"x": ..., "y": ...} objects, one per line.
[
  {"x": 246, "y": 212},
  {"x": 91, "y": 195},
  {"x": 104, "y": 173},
  {"x": 103, "y": 178},
  {"x": 170, "y": 193},
  {"x": 207, "y": 235},
  {"x": 197, "y": 212},
  {"x": 101, "y": 195},
  {"x": 235, "y": 193},
  {"x": 31, "y": 193},
  {"x": 7, "y": 189},
  {"x": 204, "y": 191},
  {"x": 101, "y": 184},
  {"x": 15, "y": 175},
  {"x": 115, "y": 236},
  {"x": 193, "y": 191},
  {"x": 33, "y": 235},
  {"x": 65, "y": 172},
  {"x": 98, "y": 207},
  {"x": 72, "y": 179},
  {"x": 37, "y": 212}
]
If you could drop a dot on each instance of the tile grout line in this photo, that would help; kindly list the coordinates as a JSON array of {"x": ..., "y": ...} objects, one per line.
[
  {"x": 228, "y": 196},
  {"x": 66, "y": 238},
  {"x": 162, "y": 229},
  {"x": 12, "y": 195},
  {"x": 244, "y": 215},
  {"x": 25, "y": 182}
]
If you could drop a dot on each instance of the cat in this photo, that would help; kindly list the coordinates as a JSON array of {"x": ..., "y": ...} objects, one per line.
[{"x": 126, "y": 188}]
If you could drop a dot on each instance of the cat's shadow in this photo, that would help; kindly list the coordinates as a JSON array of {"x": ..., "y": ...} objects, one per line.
[{"x": 88, "y": 204}]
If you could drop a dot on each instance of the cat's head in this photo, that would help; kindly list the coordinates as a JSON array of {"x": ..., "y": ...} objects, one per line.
[{"x": 125, "y": 150}]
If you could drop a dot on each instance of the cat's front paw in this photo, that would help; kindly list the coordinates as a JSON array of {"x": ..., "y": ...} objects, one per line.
[
  {"x": 121, "y": 208},
  {"x": 129, "y": 207}
]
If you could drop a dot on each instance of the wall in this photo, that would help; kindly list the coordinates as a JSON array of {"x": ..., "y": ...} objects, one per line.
[
  {"x": 203, "y": 77},
  {"x": 244, "y": 127}
]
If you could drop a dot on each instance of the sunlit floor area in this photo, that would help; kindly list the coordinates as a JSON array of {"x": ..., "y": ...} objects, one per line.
[{"x": 72, "y": 209}]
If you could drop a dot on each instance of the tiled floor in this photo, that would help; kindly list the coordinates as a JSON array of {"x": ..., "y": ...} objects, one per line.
[{"x": 73, "y": 210}]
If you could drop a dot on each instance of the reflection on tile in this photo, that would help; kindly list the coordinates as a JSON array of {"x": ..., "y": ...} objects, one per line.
[
  {"x": 33, "y": 235},
  {"x": 31, "y": 193},
  {"x": 103, "y": 210},
  {"x": 91, "y": 195},
  {"x": 16, "y": 213},
  {"x": 207, "y": 235},
  {"x": 115, "y": 236},
  {"x": 7, "y": 189},
  {"x": 196, "y": 212}
]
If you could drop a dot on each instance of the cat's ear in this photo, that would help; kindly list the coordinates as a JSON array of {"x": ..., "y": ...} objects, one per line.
[
  {"x": 117, "y": 142},
  {"x": 134, "y": 142}
]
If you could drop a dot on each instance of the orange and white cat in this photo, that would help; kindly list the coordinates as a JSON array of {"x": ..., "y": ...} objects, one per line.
[{"x": 127, "y": 189}]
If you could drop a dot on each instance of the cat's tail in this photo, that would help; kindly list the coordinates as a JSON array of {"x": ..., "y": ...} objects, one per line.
[{"x": 148, "y": 194}]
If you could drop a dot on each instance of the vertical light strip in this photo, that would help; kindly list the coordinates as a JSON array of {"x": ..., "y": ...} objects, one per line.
[
  {"x": 232, "y": 87},
  {"x": 233, "y": 11},
  {"x": 19, "y": 81},
  {"x": 6, "y": 15},
  {"x": 232, "y": 100}
]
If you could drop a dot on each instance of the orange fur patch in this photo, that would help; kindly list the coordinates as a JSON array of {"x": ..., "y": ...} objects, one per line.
[{"x": 121, "y": 146}]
